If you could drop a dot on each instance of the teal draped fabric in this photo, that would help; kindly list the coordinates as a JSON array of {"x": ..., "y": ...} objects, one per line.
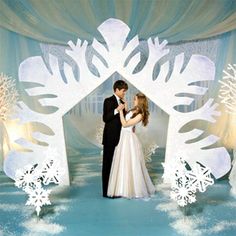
[
  {"x": 15, "y": 48},
  {"x": 25, "y": 24},
  {"x": 58, "y": 21}
]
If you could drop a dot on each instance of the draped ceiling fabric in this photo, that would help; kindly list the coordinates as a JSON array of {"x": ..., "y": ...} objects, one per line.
[
  {"x": 58, "y": 21},
  {"x": 26, "y": 24}
]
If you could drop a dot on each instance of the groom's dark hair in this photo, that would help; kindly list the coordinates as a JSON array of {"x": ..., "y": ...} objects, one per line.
[{"x": 120, "y": 84}]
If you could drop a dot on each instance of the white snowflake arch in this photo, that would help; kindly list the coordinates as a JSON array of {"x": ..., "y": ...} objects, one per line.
[{"x": 109, "y": 59}]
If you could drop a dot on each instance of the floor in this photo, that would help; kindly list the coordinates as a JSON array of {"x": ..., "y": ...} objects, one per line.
[{"x": 80, "y": 209}]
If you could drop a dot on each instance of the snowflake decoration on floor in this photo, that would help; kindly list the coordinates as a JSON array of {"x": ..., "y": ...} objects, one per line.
[
  {"x": 28, "y": 178},
  {"x": 38, "y": 197},
  {"x": 186, "y": 182},
  {"x": 200, "y": 177},
  {"x": 183, "y": 192},
  {"x": 51, "y": 172},
  {"x": 31, "y": 178}
]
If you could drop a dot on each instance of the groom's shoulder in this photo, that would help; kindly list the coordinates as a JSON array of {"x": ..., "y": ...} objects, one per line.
[{"x": 110, "y": 98}]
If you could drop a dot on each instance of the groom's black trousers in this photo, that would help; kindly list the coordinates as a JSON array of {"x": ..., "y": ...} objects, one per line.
[{"x": 108, "y": 152}]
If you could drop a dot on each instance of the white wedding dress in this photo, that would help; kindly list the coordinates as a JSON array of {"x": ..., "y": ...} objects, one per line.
[{"x": 129, "y": 177}]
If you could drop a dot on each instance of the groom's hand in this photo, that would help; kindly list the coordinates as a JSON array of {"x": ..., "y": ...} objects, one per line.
[{"x": 120, "y": 107}]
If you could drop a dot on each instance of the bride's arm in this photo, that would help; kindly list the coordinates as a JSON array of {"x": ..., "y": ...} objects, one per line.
[{"x": 130, "y": 122}]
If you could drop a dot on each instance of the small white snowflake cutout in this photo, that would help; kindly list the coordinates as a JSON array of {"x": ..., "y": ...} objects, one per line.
[
  {"x": 51, "y": 172},
  {"x": 185, "y": 183},
  {"x": 182, "y": 192},
  {"x": 200, "y": 177},
  {"x": 28, "y": 178},
  {"x": 31, "y": 178},
  {"x": 38, "y": 197}
]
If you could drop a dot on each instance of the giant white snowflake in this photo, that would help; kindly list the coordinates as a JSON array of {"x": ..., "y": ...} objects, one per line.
[
  {"x": 170, "y": 88},
  {"x": 38, "y": 197},
  {"x": 51, "y": 153}
]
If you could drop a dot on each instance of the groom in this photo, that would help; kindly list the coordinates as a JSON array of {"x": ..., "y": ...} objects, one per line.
[{"x": 111, "y": 132}]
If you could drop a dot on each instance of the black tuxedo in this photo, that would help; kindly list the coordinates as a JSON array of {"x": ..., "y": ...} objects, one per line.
[{"x": 111, "y": 136}]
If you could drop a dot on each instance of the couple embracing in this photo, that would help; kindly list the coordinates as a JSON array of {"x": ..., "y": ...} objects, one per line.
[{"x": 124, "y": 173}]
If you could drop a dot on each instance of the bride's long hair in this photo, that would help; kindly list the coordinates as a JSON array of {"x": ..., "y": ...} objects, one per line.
[{"x": 141, "y": 108}]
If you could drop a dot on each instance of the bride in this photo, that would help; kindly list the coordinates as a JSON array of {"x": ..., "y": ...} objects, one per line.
[{"x": 129, "y": 177}]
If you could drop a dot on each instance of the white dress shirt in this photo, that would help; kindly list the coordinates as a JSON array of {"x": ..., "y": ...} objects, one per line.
[{"x": 118, "y": 101}]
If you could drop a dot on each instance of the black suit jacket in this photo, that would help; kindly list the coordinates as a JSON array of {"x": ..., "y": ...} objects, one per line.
[{"x": 111, "y": 133}]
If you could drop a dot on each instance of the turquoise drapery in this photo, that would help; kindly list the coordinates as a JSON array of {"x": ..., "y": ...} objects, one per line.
[
  {"x": 25, "y": 24},
  {"x": 58, "y": 21},
  {"x": 15, "y": 48}
]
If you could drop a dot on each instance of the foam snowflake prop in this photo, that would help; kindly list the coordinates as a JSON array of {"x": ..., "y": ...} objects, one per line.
[
  {"x": 8, "y": 96},
  {"x": 28, "y": 178},
  {"x": 200, "y": 177},
  {"x": 227, "y": 92},
  {"x": 183, "y": 192},
  {"x": 38, "y": 197},
  {"x": 31, "y": 178},
  {"x": 185, "y": 183},
  {"x": 51, "y": 172}
]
